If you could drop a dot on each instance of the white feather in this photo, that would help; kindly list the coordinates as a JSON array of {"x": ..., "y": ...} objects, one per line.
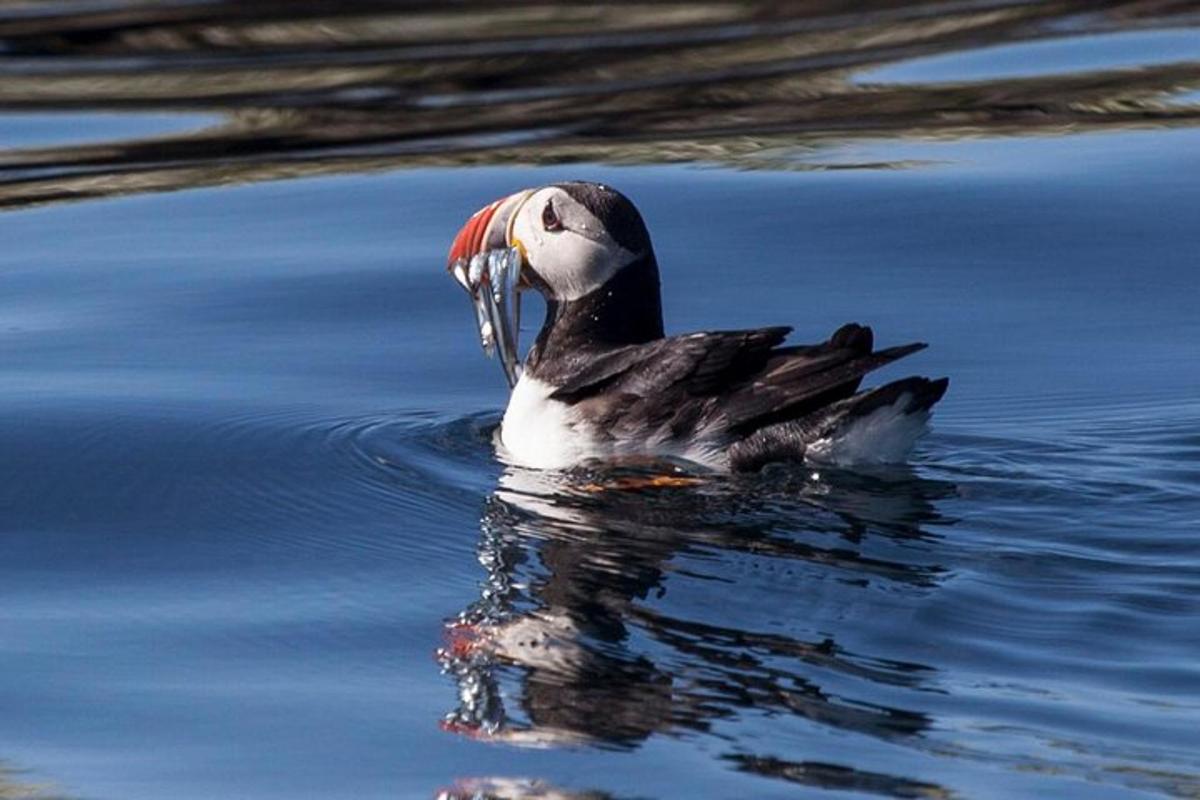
[
  {"x": 540, "y": 432},
  {"x": 885, "y": 436},
  {"x": 543, "y": 433},
  {"x": 574, "y": 261}
]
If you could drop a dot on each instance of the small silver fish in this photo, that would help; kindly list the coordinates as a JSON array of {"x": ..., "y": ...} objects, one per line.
[
  {"x": 490, "y": 278},
  {"x": 477, "y": 274},
  {"x": 506, "y": 314}
]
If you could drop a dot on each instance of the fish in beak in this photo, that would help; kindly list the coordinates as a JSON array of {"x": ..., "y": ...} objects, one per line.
[{"x": 487, "y": 263}]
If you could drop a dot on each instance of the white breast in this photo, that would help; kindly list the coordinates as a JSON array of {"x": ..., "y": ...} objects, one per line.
[{"x": 543, "y": 433}]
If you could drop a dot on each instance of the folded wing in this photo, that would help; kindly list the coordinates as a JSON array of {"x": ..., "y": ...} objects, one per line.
[{"x": 721, "y": 382}]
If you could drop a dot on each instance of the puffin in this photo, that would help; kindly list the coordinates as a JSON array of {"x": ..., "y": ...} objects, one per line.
[{"x": 603, "y": 382}]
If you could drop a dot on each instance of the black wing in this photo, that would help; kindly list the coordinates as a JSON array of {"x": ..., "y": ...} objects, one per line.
[{"x": 739, "y": 380}]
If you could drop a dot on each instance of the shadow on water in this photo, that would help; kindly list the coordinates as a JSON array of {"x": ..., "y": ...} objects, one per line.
[
  {"x": 574, "y": 640},
  {"x": 285, "y": 89}
]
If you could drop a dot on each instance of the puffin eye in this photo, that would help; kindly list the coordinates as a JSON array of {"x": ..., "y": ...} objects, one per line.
[{"x": 550, "y": 220}]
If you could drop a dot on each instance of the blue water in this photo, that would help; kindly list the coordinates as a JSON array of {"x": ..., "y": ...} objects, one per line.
[
  {"x": 1057, "y": 56},
  {"x": 32, "y": 130},
  {"x": 255, "y": 542}
]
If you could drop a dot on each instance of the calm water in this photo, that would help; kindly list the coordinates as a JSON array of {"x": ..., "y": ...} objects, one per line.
[{"x": 255, "y": 542}]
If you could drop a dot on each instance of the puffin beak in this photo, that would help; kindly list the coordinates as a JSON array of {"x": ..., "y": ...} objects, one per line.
[
  {"x": 490, "y": 264},
  {"x": 489, "y": 228}
]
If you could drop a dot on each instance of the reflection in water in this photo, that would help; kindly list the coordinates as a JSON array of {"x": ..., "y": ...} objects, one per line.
[
  {"x": 310, "y": 87},
  {"x": 831, "y": 776},
  {"x": 15, "y": 786},
  {"x": 573, "y": 608},
  {"x": 513, "y": 789}
]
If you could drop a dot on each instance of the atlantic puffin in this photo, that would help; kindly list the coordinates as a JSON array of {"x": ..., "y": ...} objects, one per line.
[{"x": 602, "y": 381}]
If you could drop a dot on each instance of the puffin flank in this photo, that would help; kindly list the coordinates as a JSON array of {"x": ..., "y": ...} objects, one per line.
[{"x": 603, "y": 381}]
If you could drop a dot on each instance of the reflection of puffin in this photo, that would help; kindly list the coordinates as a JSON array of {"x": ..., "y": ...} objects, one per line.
[
  {"x": 570, "y": 643},
  {"x": 602, "y": 380}
]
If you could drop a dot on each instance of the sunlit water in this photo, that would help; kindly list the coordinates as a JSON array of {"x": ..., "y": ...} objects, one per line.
[{"x": 255, "y": 541}]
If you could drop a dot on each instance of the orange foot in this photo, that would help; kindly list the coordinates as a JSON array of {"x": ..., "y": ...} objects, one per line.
[{"x": 648, "y": 482}]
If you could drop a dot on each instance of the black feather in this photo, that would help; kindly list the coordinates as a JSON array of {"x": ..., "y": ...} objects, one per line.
[
  {"x": 789, "y": 440},
  {"x": 725, "y": 383},
  {"x": 802, "y": 384}
]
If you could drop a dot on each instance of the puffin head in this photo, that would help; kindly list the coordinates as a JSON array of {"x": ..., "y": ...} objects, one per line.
[{"x": 573, "y": 237}]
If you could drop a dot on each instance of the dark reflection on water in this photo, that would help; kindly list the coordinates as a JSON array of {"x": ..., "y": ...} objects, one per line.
[
  {"x": 833, "y": 776},
  {"x": 577, "y": 562},
  {"x": 307, "y": 87}
]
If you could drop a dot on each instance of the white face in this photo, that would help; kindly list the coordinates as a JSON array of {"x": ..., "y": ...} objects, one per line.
[{"x": 565, "y": 244}]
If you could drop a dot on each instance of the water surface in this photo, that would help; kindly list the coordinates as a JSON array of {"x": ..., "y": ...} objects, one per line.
[{"x": 256, "y": 542}]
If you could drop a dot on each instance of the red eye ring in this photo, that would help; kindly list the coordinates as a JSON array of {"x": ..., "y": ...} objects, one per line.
[{"x": 550, "y": 220}]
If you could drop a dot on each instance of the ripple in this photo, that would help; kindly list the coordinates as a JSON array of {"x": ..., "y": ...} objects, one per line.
[
  {"x": 287, "y": 481},
  {"x": 836, "y": 777}
]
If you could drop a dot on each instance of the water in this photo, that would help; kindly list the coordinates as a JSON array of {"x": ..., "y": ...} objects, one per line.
[{"x": 255, "y": 541}]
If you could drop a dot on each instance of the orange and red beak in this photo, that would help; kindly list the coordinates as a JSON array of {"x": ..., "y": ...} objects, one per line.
[{"x": 487, "y": 229}]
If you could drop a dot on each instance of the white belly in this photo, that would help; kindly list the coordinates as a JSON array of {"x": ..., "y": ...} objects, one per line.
[{"x": 543, "y": 433}]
